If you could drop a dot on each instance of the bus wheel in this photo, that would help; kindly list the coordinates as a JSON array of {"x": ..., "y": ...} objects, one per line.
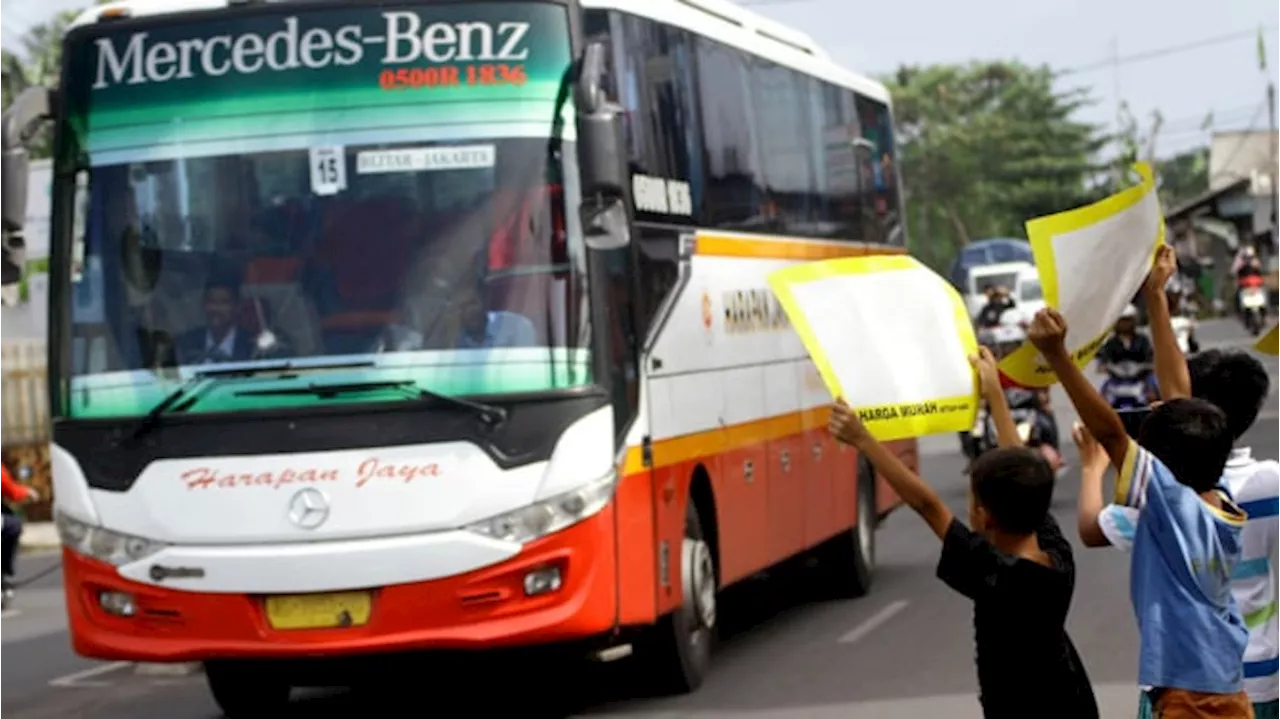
[
  {"x": 677, "y": 654},
  {"x": 247, "y": 691},
  {"x": 848, "y": 559}
]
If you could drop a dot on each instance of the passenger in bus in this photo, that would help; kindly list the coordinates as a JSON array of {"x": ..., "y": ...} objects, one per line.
[
  {"x": 463, "y": 323},
  {"x": 220, "y": 339},
  {"x": 1011, "y": 560}
]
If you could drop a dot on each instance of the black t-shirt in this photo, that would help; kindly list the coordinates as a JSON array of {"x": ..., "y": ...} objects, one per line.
[
  {"x": 989, "y": 315},
  {"x": 1139, "y": 351},
  {"x": 1027, "y": 665}
]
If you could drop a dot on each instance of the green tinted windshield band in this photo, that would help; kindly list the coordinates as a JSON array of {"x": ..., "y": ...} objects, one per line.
[{"x": 288, "y": 81}]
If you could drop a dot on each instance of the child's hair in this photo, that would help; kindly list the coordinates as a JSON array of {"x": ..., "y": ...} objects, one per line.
[
  {"x": 1191, "y": 437},
  {"x": 1234, "y": 381},
  {"x": 1015, "y": 486}
]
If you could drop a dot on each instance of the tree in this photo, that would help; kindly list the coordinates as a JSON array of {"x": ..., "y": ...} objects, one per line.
[
  {"x": 38, "y": 63},
  {"x": 985, "y": 147},
  {"x": 1183, "y": 176}
]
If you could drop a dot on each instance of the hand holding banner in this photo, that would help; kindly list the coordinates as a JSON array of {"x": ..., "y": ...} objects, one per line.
[
  {"x": 1092, "y": 261},
  {"x": 888, "y": 336}
]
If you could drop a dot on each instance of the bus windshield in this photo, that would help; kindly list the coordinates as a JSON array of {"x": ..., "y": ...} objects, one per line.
[{"x": 384, "y": 187}]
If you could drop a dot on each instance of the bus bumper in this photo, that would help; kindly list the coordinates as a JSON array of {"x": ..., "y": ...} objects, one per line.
[{"x": 485, "y": 608}]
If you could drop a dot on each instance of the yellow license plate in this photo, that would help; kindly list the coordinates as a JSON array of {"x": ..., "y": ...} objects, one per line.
[{"x": 319, "y": 611}]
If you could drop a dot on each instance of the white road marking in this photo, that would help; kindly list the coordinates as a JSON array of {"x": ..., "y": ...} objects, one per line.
[
  {"x": 874, "y": 622},
  {"x": 78, "y": 679},
  {"x": 8, "y": 613}
]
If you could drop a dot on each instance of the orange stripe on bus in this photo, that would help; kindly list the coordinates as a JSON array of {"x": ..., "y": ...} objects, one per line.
[
  {"x": 785, "y": 249},
  {"x": 674, "y": 450}
]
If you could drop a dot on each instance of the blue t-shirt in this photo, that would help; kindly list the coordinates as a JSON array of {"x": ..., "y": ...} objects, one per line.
[{"x": 1184, "y": 550}]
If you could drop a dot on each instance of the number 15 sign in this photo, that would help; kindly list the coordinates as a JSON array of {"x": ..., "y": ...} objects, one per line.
[{"x": 328, "y": 170}]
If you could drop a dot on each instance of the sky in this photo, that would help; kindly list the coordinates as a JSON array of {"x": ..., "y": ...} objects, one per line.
[{"x": 873, "y": 38}]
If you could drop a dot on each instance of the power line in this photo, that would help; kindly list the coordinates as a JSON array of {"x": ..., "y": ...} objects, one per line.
[
  {"x": 1165, "y": 51},
  {"x": 1111, "y": 62}
]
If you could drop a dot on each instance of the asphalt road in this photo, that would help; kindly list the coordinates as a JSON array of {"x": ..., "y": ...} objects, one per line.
[{"x": 903, "y": 651}]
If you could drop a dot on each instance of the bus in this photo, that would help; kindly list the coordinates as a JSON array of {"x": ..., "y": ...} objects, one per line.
[{"x": 409, "y": 327}]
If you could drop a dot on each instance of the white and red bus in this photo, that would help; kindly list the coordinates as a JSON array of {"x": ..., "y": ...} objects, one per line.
[{"x": 438, "y": 326}]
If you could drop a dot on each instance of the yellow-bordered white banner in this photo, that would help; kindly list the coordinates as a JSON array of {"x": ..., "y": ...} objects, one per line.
[
  {"x": 1092, "y": 261},
  {"x": 890, "y": 337}
]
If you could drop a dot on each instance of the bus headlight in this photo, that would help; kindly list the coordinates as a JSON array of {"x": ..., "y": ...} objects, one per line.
[
  {"x": 550, "y": 515},
  {"x": 103, "y": 544}
]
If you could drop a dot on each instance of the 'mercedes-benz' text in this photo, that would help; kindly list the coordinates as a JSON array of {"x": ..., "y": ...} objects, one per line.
[{"x": 135, "y": 59}]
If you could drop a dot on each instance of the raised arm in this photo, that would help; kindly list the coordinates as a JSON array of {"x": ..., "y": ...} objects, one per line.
[
  {"x": 989, "y": 385},
  {"x": 1093, "y": 467},
  {"x": 846, "y": 427},
  {"x": 1048, "y": 333},
  {"x": 1171, "y": 365}
]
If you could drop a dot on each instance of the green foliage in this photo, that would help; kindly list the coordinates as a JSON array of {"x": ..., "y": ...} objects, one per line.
[
  {"x": 39, "y": 62},
  {"x": 986, "y": 146},
  {"x": 1183, "y": 176}
]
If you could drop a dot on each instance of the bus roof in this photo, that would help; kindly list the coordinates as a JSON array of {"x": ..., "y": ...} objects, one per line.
[
  {"x": 732, "y": 24},
  {"x": 720, "y": 20}
]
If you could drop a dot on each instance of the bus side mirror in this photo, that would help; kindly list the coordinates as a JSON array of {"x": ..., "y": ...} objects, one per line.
[
  {"x": 23, "y": 116},
  {"x": 602, "y": 148}
]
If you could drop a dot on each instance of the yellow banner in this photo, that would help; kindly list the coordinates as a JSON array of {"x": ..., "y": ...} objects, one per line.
[
  {"x": 890, "y": 337},
  {"x": 1268, "y": 343},
  {"x": 1092, "y": 261}
]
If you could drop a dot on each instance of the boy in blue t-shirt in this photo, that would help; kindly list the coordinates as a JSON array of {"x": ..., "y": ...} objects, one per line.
[{"x": 1186, "y": 543}]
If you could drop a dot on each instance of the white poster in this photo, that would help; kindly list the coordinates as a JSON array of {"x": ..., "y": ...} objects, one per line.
[
  {"x": 1092, "y": 262},
  {"x": 888, "y": 336}
]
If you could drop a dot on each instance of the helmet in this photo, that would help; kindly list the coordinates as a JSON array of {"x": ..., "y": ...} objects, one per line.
[{"x": 1130, "y": 313}]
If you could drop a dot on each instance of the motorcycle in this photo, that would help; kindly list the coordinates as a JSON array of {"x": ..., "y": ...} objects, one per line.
[
  {"x": 1037, "y": 428},
  {"x": 1129, "y": 385},
  {"x": 1253, "y": 304}
]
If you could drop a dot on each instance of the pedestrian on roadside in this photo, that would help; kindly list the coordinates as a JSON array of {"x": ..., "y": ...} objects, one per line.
[
  {"x": 1238, "y": 384},
  {"x": 1187, "y": 539},
  {"x": 1011, "y": 560},
  {"x": 19, "y": 493}
]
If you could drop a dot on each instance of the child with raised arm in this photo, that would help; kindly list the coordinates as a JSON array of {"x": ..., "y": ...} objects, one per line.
[
  {"x": 1186, "y": 541},
  {"x": 1238, "y": 384},
  {"x": 1011, "y": 560}
]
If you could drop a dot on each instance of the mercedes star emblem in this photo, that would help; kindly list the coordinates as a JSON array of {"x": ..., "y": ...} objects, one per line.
[{"x": 308, "y": 509}]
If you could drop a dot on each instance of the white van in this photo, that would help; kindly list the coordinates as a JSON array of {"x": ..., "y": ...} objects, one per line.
[{"x": 1006, "y": 274}]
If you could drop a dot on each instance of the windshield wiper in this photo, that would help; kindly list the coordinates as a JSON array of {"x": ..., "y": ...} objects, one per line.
[
  {"x": 489, "y": 414},
  {"x": 190, "y": 390}
]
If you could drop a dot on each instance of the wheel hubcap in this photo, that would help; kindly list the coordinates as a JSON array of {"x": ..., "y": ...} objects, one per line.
[{"x": 700, "y": 582}]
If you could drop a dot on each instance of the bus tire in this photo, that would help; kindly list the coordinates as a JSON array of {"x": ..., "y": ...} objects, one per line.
[
  {"x": 847, "y": 561},
  {"x": 677, "y": 654},
  {"x": 247, "y": 691}
]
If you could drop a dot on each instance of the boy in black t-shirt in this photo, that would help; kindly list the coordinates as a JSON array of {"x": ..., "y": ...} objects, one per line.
[{"x": 1014, "y": 564}]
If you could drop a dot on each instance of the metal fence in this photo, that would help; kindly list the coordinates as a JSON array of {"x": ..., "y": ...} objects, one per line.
[{"x": 25, "y": 397}]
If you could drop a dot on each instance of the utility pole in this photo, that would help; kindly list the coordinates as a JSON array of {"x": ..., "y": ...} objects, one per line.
[
  {"x": 1275, "y": 163},
  {"x": 1275, "y": 157}
]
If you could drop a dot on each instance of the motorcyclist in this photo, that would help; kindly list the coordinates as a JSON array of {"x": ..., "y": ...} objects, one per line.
[
  {"x": 12, "y": 491},
  {"x": 1246, "y": 263},
  {"x": 1126, "y": 344},
  {"x": 1184, "y": 326},
  {"x": 999, "y": 301}
]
